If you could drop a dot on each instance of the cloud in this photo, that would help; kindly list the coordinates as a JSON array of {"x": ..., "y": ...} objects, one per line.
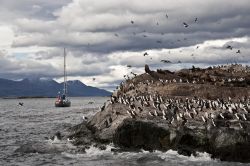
[{"x": 101, "y": 40}]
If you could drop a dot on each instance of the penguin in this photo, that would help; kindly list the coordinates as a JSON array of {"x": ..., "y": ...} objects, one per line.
[
  {"x": 213, "y": 123},
  {"x": 203, "y": 119}
]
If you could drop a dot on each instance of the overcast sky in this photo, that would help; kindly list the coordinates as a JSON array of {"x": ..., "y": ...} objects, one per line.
[{"x": 103, "y": 37}]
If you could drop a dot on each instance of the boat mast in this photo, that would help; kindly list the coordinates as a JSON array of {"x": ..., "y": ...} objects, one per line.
[{"x": 65, "y": 79}]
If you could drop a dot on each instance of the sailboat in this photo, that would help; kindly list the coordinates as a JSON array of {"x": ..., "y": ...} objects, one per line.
[{"x": 62, "y": 100}]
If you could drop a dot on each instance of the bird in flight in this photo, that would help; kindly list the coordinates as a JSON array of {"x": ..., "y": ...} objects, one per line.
[
  {"x": 116, "y": 35},
  {"x": 93, "y": 79},
  {"x": 145, "y": 54},
  {"x": 229, "y": 47},
  {"x": 166, "y": 15},
  {"x": 132, "y": 22},
  {"x": 196, "y": 19},
  {"x": 165, "y": 61},
  {"x": 20, "y": 103},
  {"x": 185, "y": 24},
  {"x": 238, "y": 52},
  {"x": 129, "y": 66}
]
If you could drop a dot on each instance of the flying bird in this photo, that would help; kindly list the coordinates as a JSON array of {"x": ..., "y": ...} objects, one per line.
[
  {"x": 238, "y": 52},
  {"x": 185, "y": 24},
  {"x": 197, "y": 47},
  {"x": 20, "y": 103},
  {"x": 145, "y": 54},
  {"x": 93, "y": 79},
  {"x": 196, "y": 19},
  {"x": 129, "y": 66},
  {"x": 116, "y": 35},
  {"x": 166, "y": 15},
  {"x": 132, "y": 22},
  {"x": 165, "y": 61},
  {"x": 229, "y": 47}
]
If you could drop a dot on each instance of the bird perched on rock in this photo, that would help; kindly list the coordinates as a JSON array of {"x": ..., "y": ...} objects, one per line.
[
  {"x": 147, "y": 70},
  {"x": 84, "y": 118}
]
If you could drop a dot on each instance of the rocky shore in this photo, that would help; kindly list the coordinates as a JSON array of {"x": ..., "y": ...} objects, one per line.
[{"x": 191, "y": 110}]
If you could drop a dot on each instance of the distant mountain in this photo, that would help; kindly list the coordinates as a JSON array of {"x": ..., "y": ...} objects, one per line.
[{"x": 46, "y": 88}]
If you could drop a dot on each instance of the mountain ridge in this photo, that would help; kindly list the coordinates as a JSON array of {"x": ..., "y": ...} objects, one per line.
[{"x": 46, "y": 88}]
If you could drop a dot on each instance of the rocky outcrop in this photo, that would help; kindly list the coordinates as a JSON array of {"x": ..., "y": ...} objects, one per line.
[{"x": 147, "y": 112}]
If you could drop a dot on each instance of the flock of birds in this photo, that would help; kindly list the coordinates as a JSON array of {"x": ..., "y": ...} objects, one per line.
[
  {"x": 180, "y": 111},
  {"x": 185, "y": 25}
]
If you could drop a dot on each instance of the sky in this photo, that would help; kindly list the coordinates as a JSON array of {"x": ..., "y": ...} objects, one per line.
[{"x": 103, "y": 38}]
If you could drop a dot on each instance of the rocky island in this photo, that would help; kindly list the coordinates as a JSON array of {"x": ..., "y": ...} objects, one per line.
[{"x": 191, "y": 110}]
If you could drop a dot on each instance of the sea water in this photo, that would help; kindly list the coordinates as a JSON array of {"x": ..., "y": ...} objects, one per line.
[{"x": 38, "y": 119}]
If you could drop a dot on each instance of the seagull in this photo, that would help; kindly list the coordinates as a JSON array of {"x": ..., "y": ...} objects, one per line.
[
  {"x": 185, "y": 24},
  {"x": 145, "y": 54},
  {"x": 196, "y": 19},
  {"x": 197, "y": 47},
  {"x": 238, "y": 52}
]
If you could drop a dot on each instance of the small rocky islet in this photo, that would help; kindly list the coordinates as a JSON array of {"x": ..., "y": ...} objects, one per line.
[{"x": 190, "y": 110}]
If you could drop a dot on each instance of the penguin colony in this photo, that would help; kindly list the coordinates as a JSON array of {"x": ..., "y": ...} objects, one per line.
[{"x": 182, "y": 111}]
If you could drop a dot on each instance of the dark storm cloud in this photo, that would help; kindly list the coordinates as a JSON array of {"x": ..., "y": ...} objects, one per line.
[
  {"x": 91, "y": 26},
  {"x": 101, "y": 40}
]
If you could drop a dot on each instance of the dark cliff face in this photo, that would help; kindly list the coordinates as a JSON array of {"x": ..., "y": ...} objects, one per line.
[{"x": 159, "y": 111}]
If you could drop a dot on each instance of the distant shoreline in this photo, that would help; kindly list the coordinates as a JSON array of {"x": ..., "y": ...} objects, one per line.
[
  {"x": 40, "y": 97},
  {"x": 26, "y": 97}
]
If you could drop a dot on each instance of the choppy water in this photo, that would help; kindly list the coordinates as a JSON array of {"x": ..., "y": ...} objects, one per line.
[{"x": 38, "y": 118}]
